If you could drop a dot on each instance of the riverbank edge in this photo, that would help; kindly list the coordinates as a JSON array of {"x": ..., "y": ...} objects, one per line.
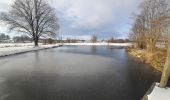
[
  {"x": 30, "y": 50},
  {"x": 157, "y": 93},
  {"x": 154, "y": 92},
  {"x": 145, "y": 97},
  {"x": 156, "y": 62}
]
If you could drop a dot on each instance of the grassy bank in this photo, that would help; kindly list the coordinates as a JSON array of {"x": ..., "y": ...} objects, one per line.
[{"x": 156, "y": 59}]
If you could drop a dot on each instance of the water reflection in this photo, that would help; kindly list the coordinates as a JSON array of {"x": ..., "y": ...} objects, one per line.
[
  {"x": 3, "y": 92},
  {"x": 75, "y": 73},
  {"x": 29, "y": 87},
  {"x": 93, "y": 49}
]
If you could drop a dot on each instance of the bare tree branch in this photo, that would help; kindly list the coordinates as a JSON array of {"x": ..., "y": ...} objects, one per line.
[{"x": 33, "y": 17}]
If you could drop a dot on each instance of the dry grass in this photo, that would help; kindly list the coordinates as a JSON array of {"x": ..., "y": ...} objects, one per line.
[{"x": 155, "y": 59}]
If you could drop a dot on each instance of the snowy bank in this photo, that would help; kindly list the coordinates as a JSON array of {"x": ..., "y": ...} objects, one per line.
[
  {"x": 5, "y": 45},
  {"x": 16, "y": 48},
  {"x": 11, "y": 49},
  {"x": 157, "y": 93},
  {"x": 156, "y": 59},
  {"x": 100, "y": 44}
]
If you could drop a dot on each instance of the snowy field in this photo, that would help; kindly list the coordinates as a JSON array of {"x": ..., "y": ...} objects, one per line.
[
  {"x": 6, "y": 45},
  {"x": 16, "y": 48},
  {"x": 159, "y": 93}
]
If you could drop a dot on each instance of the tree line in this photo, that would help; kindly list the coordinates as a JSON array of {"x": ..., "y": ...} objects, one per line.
[
  {"x": 151, "y": 26},
  {"x": 22, "y": 38},
  {"x": 4, "y": 37}
]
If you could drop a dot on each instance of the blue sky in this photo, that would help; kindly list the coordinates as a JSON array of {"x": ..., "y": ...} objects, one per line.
[{"x": 83, "y": 18}]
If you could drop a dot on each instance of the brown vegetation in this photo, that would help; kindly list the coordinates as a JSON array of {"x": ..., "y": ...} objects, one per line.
[
  {"x": 151, "y": 26},
  {"x": 155, "y": 59}
]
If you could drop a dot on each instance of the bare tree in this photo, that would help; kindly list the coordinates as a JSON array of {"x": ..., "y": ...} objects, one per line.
[
  {"x": 111, "y": 40},
  {"x": 33, "y": 17},
  {"x": 150, "y": 24},
  {"x": 94, "y": 39},
  {"x": 138, "y": 32},
  {"x": 155, "y": 13}
]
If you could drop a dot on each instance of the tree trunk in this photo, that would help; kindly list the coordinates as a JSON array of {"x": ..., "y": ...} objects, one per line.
[
  {"x": 166, "y": 71},
  {"x": 36, "y": 42},
  {"x": 151, "y": 45}
]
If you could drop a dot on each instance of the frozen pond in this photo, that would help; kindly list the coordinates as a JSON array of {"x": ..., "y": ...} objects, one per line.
[{"x": 75, "y": 73}]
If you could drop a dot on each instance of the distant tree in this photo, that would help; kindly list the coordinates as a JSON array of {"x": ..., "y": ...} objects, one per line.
[
  {"x": 111, "y": 40},
  {"x": 68, "y": 40},
  {"x": 51, "y": 41},
  {"x": 33, "y": 17},
  {"x": 94, "y": 39},
  {"x": 127, "y": 40},
  {"x": 22, "y": 38},
  {"x": 7, "y": 37},
  {"x": 119, "y": 41},
  {"x": 4, "y": 37}
]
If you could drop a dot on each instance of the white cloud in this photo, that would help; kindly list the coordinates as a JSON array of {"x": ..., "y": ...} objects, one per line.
[
  {"x": 89, "y": 16},
  {"x": 5, "y": 5},
  {"x": 93, "y": 13}
]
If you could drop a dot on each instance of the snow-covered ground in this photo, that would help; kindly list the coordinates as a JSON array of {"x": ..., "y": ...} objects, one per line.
[
  {"x": 5, "y": 45},
  {"x": 16, "y": 48},
  {"x": 110, "y": 44},
  {"x": 159, "y": 93}
]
